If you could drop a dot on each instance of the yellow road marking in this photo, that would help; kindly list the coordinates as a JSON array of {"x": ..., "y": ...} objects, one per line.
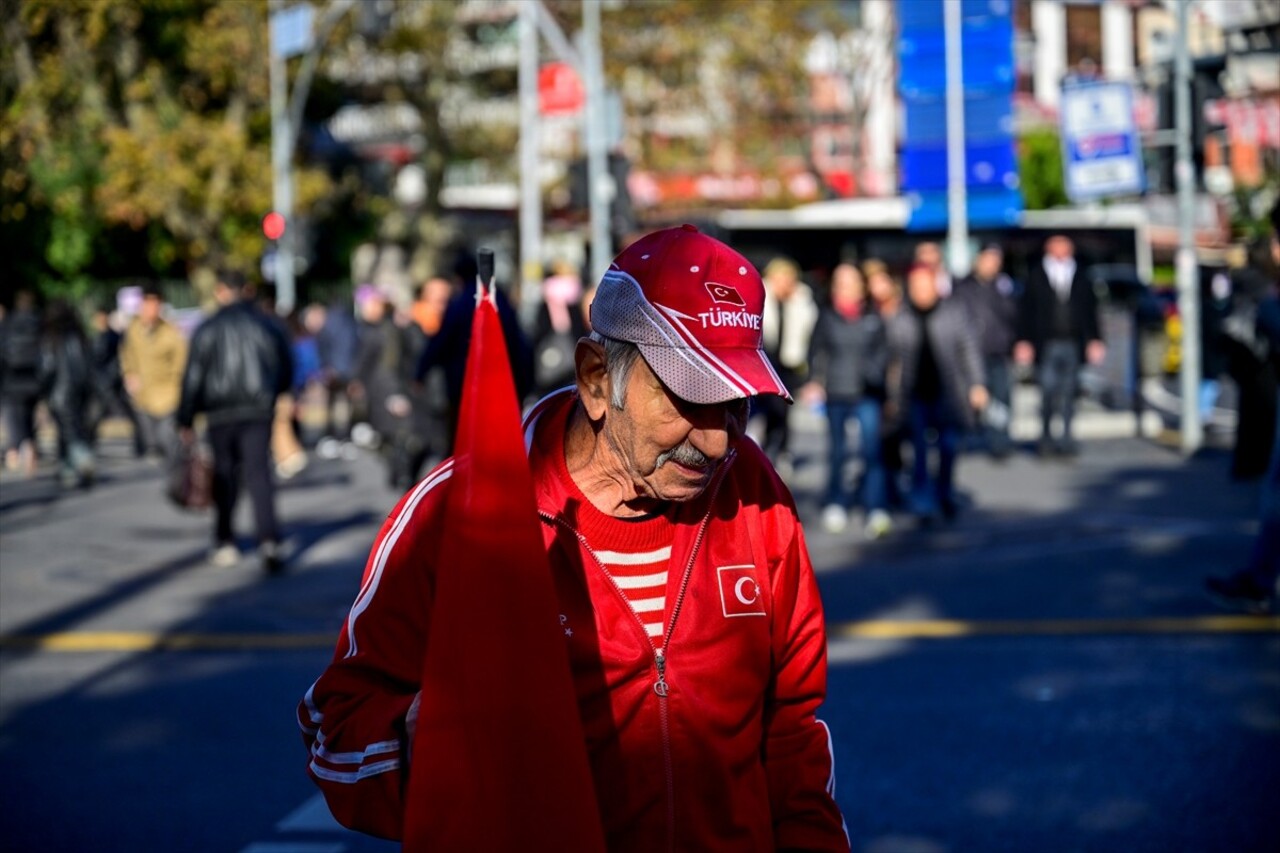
[
  {"x": 935, "y": 629},
  {"x": 150, "y": 641},
  {"x": 924, "y": 629}
]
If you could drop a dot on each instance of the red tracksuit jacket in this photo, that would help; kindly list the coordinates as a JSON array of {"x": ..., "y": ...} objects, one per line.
[{"x": 710, "y": 745}]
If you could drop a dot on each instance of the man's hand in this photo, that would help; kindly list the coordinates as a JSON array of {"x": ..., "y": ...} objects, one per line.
[
  {"x": 1024, "y": 352},
  {"x": 411, "y": 720},
  {"x": 812, "y": 393},
  {"x": 978, "y": 397},
  {"x": 1095, "y": 352}
]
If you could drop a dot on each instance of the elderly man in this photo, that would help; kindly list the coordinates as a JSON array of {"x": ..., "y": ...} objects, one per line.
[{"x": 692, "y": 618}]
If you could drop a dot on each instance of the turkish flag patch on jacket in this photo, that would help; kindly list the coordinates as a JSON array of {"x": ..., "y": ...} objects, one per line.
[{"x": 740, "y": 593}]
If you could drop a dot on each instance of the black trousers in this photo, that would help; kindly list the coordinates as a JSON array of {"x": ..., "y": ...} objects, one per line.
[
  {"x": 1058, "y": 372},
  {"x": 776, "y": 411},
  {"x": 243, "y": 450}
]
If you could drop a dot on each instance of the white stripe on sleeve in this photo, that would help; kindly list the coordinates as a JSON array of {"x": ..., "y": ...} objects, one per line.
[{"x": 384, "y": 550}]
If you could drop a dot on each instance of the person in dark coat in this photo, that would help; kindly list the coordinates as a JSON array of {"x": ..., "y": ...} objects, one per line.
[
  {"x": 1254, "y": 587},
  {"x": 559, "y": 325},
  {"x": 989, "y": 298},
  {"x": 848, "y": 355},
  {"x": 936, "y": 377},
  {"x": 68, "y": 385},
  {"x": 239, "y": 363},
  {"x": 336, "y": 344},
  {"x": 1249, "y": 366},
  {"x": 111, "y": 398},
  {"x": 884, "y": 297},
  {"x": 428, "y": 438},
  {"x": 381, "y": 360},
  {"x": 1059, "y": 330},
  {"x": 447, "y": 351},
  {"x": 20, "y": 381}
]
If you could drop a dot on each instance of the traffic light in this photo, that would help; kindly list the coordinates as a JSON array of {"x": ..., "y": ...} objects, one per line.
[{"x": 273, "y": 225}]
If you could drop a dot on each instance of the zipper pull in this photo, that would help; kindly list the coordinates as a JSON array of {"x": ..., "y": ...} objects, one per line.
[{"x": 660, "y": 687}]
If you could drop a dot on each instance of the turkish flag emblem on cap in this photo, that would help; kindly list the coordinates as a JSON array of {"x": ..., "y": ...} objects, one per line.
[
  {"x": 740, "y": 592},
  {"x": 725, "y": 293}
]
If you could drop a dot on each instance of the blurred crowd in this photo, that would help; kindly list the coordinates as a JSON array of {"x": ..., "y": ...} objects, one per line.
[{"x": 908, "y": 367}]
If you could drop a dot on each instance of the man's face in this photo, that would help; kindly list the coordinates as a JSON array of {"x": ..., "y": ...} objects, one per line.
[
  {"x": 880, "y": 286},
  {"x": 1059, "y": 248},
  {"x": 436, "y": 293},
  {"x": 929, "y": 254},
  {"x": 149, "y": 310},
  {"x": 922, "y": 287},
  {"x": 988, "y": 264},
  {"x": 670, "y": 448},
  {"x": 373, "y": 309},
  {"x": 782, "y": 284},
  {"x": 846, "y": 285}
]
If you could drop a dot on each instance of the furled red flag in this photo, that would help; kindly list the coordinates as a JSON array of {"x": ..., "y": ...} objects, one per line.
[{"x": 499, "y": 760}]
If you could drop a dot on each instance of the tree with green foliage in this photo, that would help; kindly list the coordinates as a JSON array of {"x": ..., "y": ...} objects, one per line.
[
  {"x": 147, "y": 115},
  {"x": 732, "y": 74},
  {"x": 1040, "y": 169}
]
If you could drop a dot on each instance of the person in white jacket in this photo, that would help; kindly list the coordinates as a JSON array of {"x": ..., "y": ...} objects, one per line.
[{"x": 790, "y": 313}]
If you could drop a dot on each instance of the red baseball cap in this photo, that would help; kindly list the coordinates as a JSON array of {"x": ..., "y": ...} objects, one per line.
[{"x": 693, "y": 306}]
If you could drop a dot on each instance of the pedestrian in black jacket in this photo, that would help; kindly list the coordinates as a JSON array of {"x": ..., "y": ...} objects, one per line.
[
  {"x": 447, "y": 350},
  {"x": 239, "y": 363},
  {"x": 109, "y": 380},
  {"x": 1256, "y": 587},
  {"x": 848, "y": 355},
  {"x": 1059, "y": 330},
  {"x": 989, "y": 297},
  {"x": 68, "y": 385},
  {"x": 936, "y": 377},
  {"x": 20, "y": 381}
]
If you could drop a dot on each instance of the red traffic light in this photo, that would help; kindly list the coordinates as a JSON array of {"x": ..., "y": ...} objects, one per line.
[{"x": 273, "y": 225}]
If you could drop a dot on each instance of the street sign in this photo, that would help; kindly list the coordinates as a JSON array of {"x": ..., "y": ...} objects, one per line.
[
  {"x": 993, "y": 195},
  {"x": 291, "y": 30},
  {"x": 1102, "y": 155}
]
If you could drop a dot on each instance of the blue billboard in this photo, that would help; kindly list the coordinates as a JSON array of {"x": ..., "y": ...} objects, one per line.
[{"x": 987, "y": 68}]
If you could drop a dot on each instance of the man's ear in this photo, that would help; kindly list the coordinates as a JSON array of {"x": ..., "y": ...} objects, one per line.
[{"x": 591, "y": 368}]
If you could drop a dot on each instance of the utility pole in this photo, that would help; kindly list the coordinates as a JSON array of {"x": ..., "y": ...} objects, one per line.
[
  {"x": 281, "y": 166},
  {"x": 292, "y": 31},
  {"x": 957, "y": 195},
  {"x": 597, "y": 155},
  {"x": 530, "y": 190},
  {"x": 1187, "y": 272}
]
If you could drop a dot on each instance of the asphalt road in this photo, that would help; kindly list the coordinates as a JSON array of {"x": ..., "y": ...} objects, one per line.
[{"x": 1043, "y": 674}]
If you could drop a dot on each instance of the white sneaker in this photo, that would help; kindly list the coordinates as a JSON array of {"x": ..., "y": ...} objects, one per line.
[
  {"x": 328, "y": 448},
  {"x": 878, "y": 524},
  {"x": 364, "y": 436},
  {"x": 834, "y": 518},
  {"x": 225, "y": 556},
  {"x": 349, "y": 451}
]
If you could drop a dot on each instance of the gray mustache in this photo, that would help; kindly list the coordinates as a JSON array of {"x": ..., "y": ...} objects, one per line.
[{"x": 685, "y": 454}]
